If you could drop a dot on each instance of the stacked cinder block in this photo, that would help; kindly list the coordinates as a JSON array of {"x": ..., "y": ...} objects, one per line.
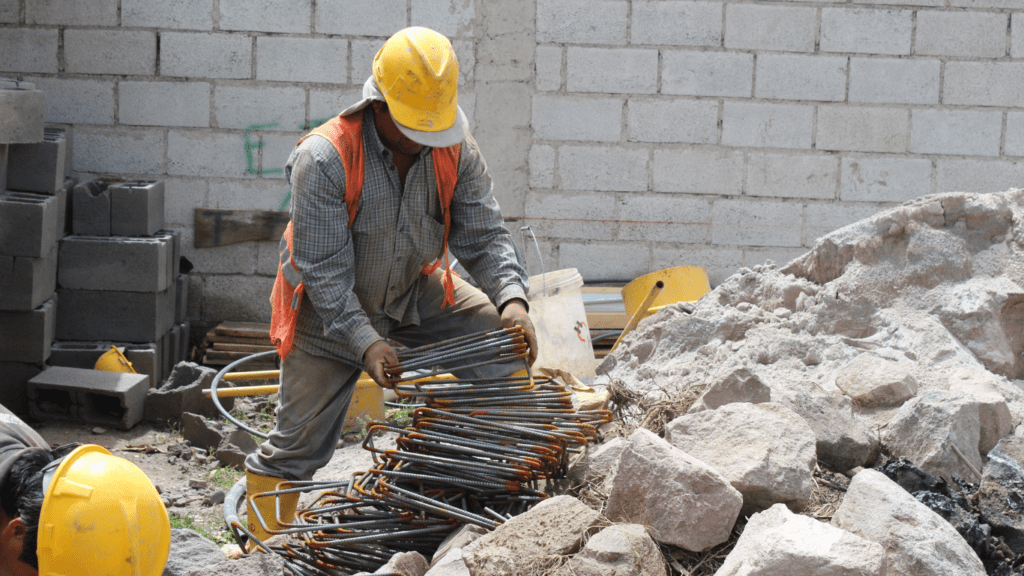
[
  {"x": 118, "y": 280},
  {"x": 33, "y": 200}
]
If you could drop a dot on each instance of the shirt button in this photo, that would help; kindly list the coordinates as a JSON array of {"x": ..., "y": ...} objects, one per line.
[{"x": 393, "y": 288}]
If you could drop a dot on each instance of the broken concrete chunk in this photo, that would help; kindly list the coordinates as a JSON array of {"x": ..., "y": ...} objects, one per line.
[
  {"x": 739, "y": 385},
  {"x": 406, "y": 564},
  {"x": 183, "y": 392},
  {"x": 777, "y": 541},
  {"x": 451, "y": 564},
  {"x": 620, "y": 550},
  {"x": 993, "y": 412},
  {"x": 596, "y": 463},
  {"x": 555, "y": 527},
  {"x": 873, "y": 381},
  {"x": 684, "y": 501},
  {"x": 842, "y": 442},
  {"x": 252, "y": 565},
  {"x": 202, "y": 433},
  {"x": 917, "y": 541},
  {"x": 457, "y": 540},
  {"x": 930, "y": 429},
  {"x": 191, "y": 551},
  {"x": 766, "y": 451}
]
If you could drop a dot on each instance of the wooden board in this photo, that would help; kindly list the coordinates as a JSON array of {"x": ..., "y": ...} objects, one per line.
[
  {"x": 249, "y": 348},
  {"x": 216, "y": 227},
  {"x": 244, "y": 329},
  {"x": 247, "y": 367},
  {"x": 213, "y": 337},
  {"x": 606, "y": 320}
]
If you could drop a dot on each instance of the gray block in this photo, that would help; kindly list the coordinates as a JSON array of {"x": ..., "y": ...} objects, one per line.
[
  {"x": 14, "y": 377},
  {"x": 167, "y": 351},
  {"x": 145, "y": 358},
  {"x": 181, "y": 298},
  {"x": 175, "y": 250},
  {"x": 183, "y": 392},
  {"x": 92, "y": 396},
  {"x": 90, "y": 213},
  {"x": 186, "y": 333},
  {"x": 38, "y": 167},
  {"x": 22, "y": 113},
  {"x": 115, "y": 263},
  {"x": 137, "y": 317},
  {"x": 4, "y": 153},
  {"x": 68, "y": 194},
  {"x": 25, "y": 283},
  {"x": 27, "y": 336},
  {"x": 136, "y": 208},
  {"x": 30, "y": 224}
]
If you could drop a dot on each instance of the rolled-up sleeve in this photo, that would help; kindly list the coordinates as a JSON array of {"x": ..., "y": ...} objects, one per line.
[{"x": 322, "y": 244}]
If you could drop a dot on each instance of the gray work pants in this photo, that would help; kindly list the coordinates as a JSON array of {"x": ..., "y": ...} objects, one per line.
[{"x": 316, "y": 391}]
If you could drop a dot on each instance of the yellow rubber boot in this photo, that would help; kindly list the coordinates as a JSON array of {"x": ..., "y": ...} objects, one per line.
[{"x": 256, "y": 484}]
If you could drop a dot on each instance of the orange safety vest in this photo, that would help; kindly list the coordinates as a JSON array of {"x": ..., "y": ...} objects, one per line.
[{"x": 346, "y": 134}]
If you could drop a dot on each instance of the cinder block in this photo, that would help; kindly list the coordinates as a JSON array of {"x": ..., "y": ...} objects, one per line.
[
  {"x": 167, "y": 352},
  {"x": 612, "y": 70},
  {"x": 186, "y": 334},
  {"x": 548, "y": 62},
  {"x": 191, "y": 15},
  {"x": 22, "y": 113},
  {"x": 675, "y": 120},
  {"x": 588, "y": 216},
  {"x": 623, "y": 169},
  {"x": 764, "y": 125},
  {"x": 27, "y": 282},
  {"x": 181, "y": 300},
  {"x": 74, "y": 101},
  {"x": 275, "y": 150},
  {"x": 676, "y": 23},
  {"x": 27, "y": 336},
  {"x": 38, "y": 167},
  {"x": 582, "y": 21},
  {"x": 136, "y": 208},
  {"x": 243, "y": 107},
  {"x": 885, "y": 179},
  {"x": 164, "y": 104},
  {"x": 183, "y": 392},
  {"x": 174, "y": 352},
  {"x": 115, "y": 263},
  {"x": 10, "y": 11},
  {"x": 29, "y": 50},
  {"x": 198, "y": 55},
  {"x": 237, "y": 297},
  {"x": 964, "y": 34},
  {"x": 144, "y": 358},
  {"x": 90, "y": 208},
  {"x": 322, "y": 61},
  {"x": 967, "y": 132},
  {"x": 862, "y": 129},
  {"x": 799, "y": 77},
  {"x": 974, "y": 175},
  {"x": 381, "y": 18},
  {"x": 14, "y": 377},
  {"x": 769, "y": 27},
  {"x": 67, "y": 191},
  {"x": 92, "y": 396},
  {"x": 664, "y": 217},
  {"x": 984, "y": 84},
  {"x": 756, "y": 223},
  {"x": 542, "y": 166},
  {"x": 147, "y": 359},
  {"x": 212, "y": 153},
  {"x": 30, "y": 224},
  {"x": 102, "y": 314},
  {"x": 1014, "y": 145},
  {"x": 122, "y": 150},
  {"x": 702, "y": 170},
  {"x": 1017, "y": 35},
  {"x": 824, "y": 218},
  {"x": 73, "y": 12},
  {"x": 453, "y": 17},
  {"x": 98, "y": 51},
  {"x": 606, "y": 261},
  {"x": 707, "y": 73},
  {"x": 867, "y": 30},
  {"x": 568, "y": 117},
  {"x": 265, "y": 16},
  {"x": 4, "y": 149},
  {"x": 792, "y": 175},
  {"x": 894, "y": 81}
]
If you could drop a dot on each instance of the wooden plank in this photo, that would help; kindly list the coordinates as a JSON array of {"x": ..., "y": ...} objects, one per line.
[
  {"x": 601, "y": 290},
  {"x": 244, "y": 329},
  {"x": 606, "y": 320},
  {"x": 247, "y": 367},
  {"x": 216, "y": 227},
  {"x": 213, "y": 337},
  {"x": 250, "y": 348}
]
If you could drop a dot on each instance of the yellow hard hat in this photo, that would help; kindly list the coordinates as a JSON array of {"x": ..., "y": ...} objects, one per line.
[
  {"x": 418, "y": 74},
  {"x": 101, "y": 516},
  {"x": 113, "y": 361}
]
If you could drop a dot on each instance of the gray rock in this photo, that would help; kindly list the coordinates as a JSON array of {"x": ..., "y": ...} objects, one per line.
[
  {"x": 190, "y": 551},
  {"x": 183, "y": 392},
  {"x": 620, "y": 550},
  {"x": 201, "y": 432},
  {"x": 214, "y": 498},
  {"x": 252, "y": 565},
  {"x": 926, "y": 429},
  {"x": 456, "y": 540},
  {"x": 993, "y": 411},
  {"x": 873, "y": 381},
  {"x": 842, "y": 442},
  {"x": 595, "y": 464},
  {"x": 739, "y": 385},
  {"x": 682, "y": 500},
  {"x": 451, "y": 564},
  {"x": 766, "y": 451},
  {"x": 917, "y": 541},
  {"x": 406, "y": 564},
  {"x": 777, "y": 541}
]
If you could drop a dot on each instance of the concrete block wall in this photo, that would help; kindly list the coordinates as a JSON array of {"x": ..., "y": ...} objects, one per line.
[{"x": 630, "y": 135}]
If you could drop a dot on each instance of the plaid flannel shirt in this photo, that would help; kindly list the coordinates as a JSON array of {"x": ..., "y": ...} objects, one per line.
[{"x": 364, "y": 280}]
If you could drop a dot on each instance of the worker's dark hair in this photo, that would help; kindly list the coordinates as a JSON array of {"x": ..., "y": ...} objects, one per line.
[{"x": 21, "y": 494}]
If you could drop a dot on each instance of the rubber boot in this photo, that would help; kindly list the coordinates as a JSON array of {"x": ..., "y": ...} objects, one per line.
[{"x": 256, "y": 484}]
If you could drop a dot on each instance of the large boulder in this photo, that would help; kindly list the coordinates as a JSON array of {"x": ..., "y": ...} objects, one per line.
[
  {"x": 620, "y": 550},
  {"x": 766, "y": 451},
  {"x": 986, "y": 314},
  {"x": 842, "y": 442},
  {"x": 873, "y": 381},
  {"x": 555, "y": 527},
  {"x": 917, "y": 541},
  {"x": 190, "y": 551},
  {"x": 595, "y": 464},
  {"x": 682, "y": 500},
  {"x": 737, "y": 385},
  {"x": 993, "y": 411},
  {"x": 930, "y": 429},
  {"x": 777, "y": 541}
]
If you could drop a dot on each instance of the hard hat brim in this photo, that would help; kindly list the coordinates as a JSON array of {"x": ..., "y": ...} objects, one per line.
[{"x": 442, "y": 138}]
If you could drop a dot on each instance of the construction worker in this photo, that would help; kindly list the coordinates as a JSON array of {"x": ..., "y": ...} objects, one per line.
[
  {"x": 379, "y": 194},
  {"x": 75, "y": 510}
]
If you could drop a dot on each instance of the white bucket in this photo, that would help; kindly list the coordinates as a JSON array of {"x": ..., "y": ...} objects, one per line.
[{"x": 563, "y": 338}]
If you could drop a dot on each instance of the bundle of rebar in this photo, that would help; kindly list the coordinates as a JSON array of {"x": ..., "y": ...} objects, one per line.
[{"x": 476, "y": 452}]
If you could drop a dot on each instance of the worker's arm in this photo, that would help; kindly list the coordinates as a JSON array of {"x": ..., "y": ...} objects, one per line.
[{"x": 322, "y": 243}]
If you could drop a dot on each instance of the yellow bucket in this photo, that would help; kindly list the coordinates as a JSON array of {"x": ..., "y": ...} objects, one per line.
[
  {"x": 682, "y": 284},
  {"x": 367, "y": 403}
]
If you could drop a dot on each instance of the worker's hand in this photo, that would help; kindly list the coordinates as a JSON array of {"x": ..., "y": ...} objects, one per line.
[
  {"x": 515, "y": 314},
  {"x": 376, "y": 356}
]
